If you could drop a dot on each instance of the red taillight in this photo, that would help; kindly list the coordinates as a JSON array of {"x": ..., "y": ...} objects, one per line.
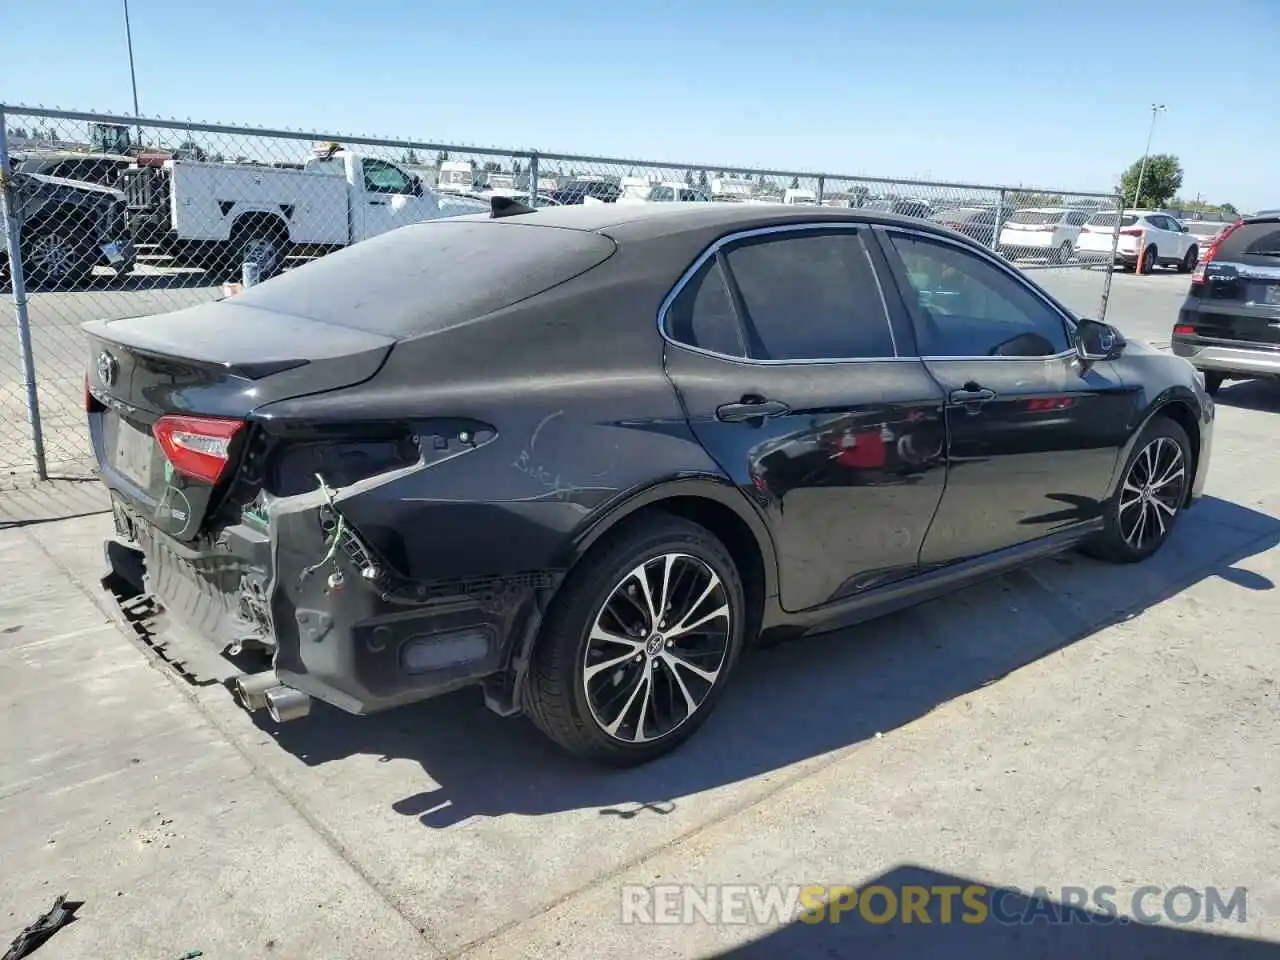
[
  {"x": 91, "y": 403},
  {"x": 1131, "y": 232},
  {"x": 1185, "y": 328},
  {"x": 197, "y": 446}
]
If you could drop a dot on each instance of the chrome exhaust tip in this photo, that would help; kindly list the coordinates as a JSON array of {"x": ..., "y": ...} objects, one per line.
[
  {"x": 250, "y": 689},
  {"x": 285, "y": 704}
]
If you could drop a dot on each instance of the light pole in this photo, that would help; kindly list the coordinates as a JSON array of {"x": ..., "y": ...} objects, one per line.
[
  {"x": 133, "y": 77},
  {"x": 1156, "y": 109}
]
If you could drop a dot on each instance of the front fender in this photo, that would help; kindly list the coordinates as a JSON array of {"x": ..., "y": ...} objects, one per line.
[{"x": 1192, "y": 409}]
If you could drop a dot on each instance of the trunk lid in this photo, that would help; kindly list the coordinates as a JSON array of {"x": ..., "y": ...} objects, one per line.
[{"x": 217, "y": 360}]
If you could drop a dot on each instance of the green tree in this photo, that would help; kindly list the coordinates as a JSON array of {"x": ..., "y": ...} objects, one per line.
[
  {"x": 517, "y": 166},
  {"x": 192, "y": 150},
  {"x": 1161, "y": 181},
  {"x": 492, "y": 166},
  {"x": 688, "y": 177},
  {"x": 410, "y": 156},
  {"x": 795, "y": 183},
  {"x": 702, "y": 179},
  {"x": 442, "y": 157}
]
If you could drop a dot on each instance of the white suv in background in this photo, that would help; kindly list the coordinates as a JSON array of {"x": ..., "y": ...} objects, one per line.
[
  {"x": 1041, "y": 232},
  {"x": 1155, "y": 237}
]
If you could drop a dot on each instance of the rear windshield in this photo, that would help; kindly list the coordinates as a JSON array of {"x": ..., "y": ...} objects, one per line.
[
  {"x": 1252, "y": 240},
  {"x": 429, "y": 276},
  {"x": 1037, "y": 217},
  {"x": 1109, "y": 220}
]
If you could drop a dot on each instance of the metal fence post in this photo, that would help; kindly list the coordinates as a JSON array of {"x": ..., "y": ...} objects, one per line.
[
  {"x": 995, "y": 230},
  {"x": 822, "y": 184},
  {"x": 533, "y": 179},
  {"x": 1111, "y": 264},
  {"x": 13, "y": 244}
]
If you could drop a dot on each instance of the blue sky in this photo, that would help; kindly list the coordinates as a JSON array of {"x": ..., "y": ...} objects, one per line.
[{"x": 985, "y": 91}]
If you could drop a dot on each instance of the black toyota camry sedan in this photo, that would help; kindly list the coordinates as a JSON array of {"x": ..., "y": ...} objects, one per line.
[{"x": 583, "y": 456}]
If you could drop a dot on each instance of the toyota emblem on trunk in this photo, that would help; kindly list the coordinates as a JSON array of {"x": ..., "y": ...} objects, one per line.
[{"x": 107, "y": 369}]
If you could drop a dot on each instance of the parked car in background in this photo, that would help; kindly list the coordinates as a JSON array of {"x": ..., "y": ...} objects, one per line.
[
  {"x": 1043, "y": 232},
  {"x": 1205, "y": 232},
  {"x": 1147, "y": 236},
  {"x": 576, "y": 191},
  {"x": 920, "y": 209},
  {"x": 606, "y": 448},
  {"x": 677, "y": 193},
  {"x": 1229, "y": 324},
  {"x": 976, "y": 222},
  {"x": 104, "y": 169},
  {"x": 66, "y": 228}
]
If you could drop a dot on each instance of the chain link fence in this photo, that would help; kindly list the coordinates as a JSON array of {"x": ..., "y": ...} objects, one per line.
[{"x": 121, "y": 216}]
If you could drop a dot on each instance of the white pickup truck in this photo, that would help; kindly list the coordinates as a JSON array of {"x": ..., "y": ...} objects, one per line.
[{"x": 221, "y": 215}]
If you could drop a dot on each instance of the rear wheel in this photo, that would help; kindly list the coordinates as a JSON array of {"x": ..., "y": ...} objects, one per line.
[
  {"x": 639, "y": 644},
  {"x": 1189, "y": 261},
  {"x": 1063, "y": 253},
  {"x": 1150, "y": 259},
  {"x": 1140, "y": 515},
  {"x": 261, "y": 241}
]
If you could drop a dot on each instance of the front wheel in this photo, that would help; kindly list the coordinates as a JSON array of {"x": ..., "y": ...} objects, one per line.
[
  {"x": 1189, "y": 261},
  {"x": 639, "y": 644},
  {"x": 1141, "y": 514},
  {"x": 1063, "y": 253}
]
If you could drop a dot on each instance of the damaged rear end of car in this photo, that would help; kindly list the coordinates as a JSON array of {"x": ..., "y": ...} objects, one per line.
[{"x": 255, "y": 458}]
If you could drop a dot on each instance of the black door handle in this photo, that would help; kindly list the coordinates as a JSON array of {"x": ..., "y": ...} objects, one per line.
[
  {"x": 751, "y": 409},
  {"x": 377, "y": 203},
  {"x": 972, "y": 393}
]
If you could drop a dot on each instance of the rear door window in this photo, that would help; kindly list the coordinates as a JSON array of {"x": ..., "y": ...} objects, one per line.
[
  {"x": 811, "y": 295},
  {"x": 702, "y": 314}
]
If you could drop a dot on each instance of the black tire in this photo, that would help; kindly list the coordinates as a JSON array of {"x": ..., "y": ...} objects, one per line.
[
  {"x": 1117, "y": 542},
  {"x": 263, "y": 241},
  {"x": 1189, "y": 261},
  {"x": 558, "y": 698},
  {"x": 1063, "y": 253},
  {"x": 1213, "y": 382},
  {"x": 1150, "y": 259},
  {"x": 55, "y": 257}
]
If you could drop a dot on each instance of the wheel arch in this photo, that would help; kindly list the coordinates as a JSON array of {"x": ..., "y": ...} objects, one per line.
[
  {"x": 1178, "y": 404},
  {"x": 708, "y": 500}
]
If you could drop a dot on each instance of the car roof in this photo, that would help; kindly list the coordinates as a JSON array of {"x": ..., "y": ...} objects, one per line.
[{"x": 644, "y": 221}]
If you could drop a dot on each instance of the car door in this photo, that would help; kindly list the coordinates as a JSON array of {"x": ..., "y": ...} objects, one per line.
[
  {"x": 784, "y": 352},
  {"x": 1033, "y": 432},
  {"x": 1168, "y": 237},
  {"x": 388, "y": 198}
]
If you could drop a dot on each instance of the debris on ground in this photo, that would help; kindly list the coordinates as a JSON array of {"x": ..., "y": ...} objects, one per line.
[{"x": 59, "y": 915}]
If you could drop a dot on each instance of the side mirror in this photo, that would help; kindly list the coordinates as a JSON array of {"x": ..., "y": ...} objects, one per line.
[{"x": 1098, "y": 341}]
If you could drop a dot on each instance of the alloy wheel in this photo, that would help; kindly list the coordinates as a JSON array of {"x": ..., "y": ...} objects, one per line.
[
  {"x": 262, "y": 251},
  {"x": 656, "y": 648},
  {"x": 52, "y": 257},
  {"x": 1152, "y": 493}
]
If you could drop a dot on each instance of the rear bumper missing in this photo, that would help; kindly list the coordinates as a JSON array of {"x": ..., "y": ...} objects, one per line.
[{"x": 340, "y": 627}]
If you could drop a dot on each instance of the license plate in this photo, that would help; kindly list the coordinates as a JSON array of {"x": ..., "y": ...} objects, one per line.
[
  {"x": 1271, "y": 294},
  {"x": 134, "y": 449},
  {"x": 112, "y": 252}
]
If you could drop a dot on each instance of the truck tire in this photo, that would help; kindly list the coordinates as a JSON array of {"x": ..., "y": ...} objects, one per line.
[{"x": 260, "y": 240}]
